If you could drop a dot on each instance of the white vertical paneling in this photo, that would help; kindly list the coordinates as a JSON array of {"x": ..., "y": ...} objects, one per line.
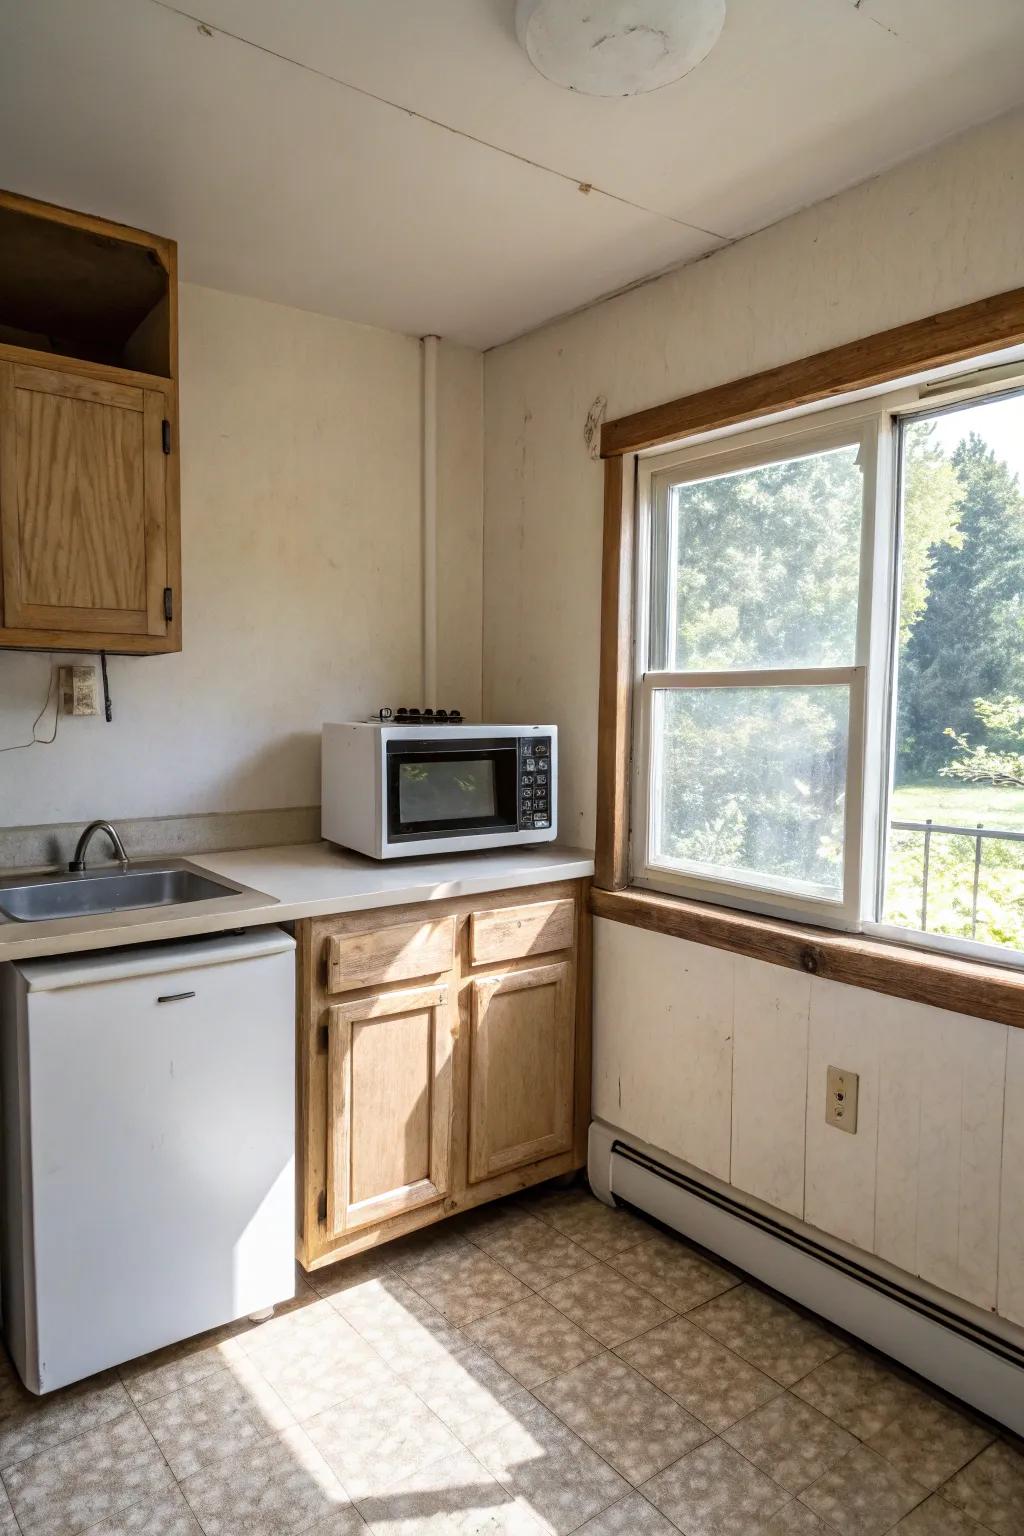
[
  {"x": 663, "y": 1042},
  {"x": 721, "y": 1060},
  {"x": 1010, "y": 1302},
  {"x": 769, "y": 1104},
  {"x": 840, "y": 1178},
  {"x": 963, "y": 1069},
  {"x": 899, "y": 1130}
]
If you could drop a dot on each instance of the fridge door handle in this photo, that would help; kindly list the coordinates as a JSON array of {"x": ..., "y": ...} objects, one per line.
[{"x": 174, "y": 997}]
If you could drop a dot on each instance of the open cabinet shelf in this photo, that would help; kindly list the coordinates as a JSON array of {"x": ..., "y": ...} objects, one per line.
[{"x": 89, "y": 521}]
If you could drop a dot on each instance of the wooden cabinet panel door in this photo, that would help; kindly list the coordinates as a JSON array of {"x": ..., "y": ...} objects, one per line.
[
  {"x": 521, "y": 1069},
  {"x": 389, "y": 1105},
  {"x": 83, "y": 503}
]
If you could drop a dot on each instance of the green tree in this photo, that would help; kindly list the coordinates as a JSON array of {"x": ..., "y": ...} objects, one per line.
[
  {"x": 768, "y": 564},
  {"x": 932, "y": 498},
  {"x": 968, "y": 642},
  {"x": 1000, "y": 760}
]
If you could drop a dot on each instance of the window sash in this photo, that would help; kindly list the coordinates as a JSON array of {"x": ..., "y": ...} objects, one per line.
[
  {"x": 657, "y": 529},
  {"x": 876, "y": 424},
  {"x": 758, "y": 895},
  {"x": 861, "y": 425}
]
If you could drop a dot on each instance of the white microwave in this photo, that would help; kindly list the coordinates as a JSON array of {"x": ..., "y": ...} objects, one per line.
[{"x": 394, "y": 789}]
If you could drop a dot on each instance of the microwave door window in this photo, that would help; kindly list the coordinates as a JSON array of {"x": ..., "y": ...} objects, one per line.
[
  {"x": 438, "y": 791},
  {"x": 431, "y": 792}
]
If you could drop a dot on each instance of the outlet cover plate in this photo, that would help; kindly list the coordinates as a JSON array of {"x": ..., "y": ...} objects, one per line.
[{"x": 841, "y": 1092}]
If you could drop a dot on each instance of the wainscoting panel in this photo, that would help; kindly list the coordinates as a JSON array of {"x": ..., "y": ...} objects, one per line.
[{"x": 721, "y": 1061}]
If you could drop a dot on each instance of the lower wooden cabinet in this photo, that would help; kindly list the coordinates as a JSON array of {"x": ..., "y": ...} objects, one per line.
[
  {"x": 389, "y": 1105},
  {"x": 520, "y": 1069},
  {"x": 438, "y": 1071}
]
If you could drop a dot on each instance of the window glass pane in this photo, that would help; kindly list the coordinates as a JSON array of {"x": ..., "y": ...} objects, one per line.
[
  {"x": 750, "y": 785},
  {"x": 766, "y": 566},
  {"x": 959, "y": 761}
]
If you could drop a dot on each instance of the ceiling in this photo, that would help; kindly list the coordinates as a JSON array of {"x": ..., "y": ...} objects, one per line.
[{"x": 400, "y": 162}]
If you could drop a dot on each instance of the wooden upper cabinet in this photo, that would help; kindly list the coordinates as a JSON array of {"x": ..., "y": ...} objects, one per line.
[
  {"x": 89, "y": 528},
  {"x": 521, "y": 1068}
]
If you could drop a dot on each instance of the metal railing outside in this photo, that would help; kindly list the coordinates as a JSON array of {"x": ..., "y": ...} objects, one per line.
[{"x": 978, "y": 833}]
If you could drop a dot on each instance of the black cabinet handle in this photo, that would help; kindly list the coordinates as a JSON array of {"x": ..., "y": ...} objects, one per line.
[{"x": 174, "y": 997}]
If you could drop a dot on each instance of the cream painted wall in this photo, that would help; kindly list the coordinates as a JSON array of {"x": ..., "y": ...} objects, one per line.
[
  {"x": 301, "y": 544},
  {"x": 941, "y": 230},
  {"x": 718, "y": 1059}
]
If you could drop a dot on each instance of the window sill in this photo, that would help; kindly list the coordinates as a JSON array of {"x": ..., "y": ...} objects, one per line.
[{"x": 974, "y": 987}]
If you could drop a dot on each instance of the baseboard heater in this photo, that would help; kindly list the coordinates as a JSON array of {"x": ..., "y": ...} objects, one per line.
[{"x": 952, "y": 1349}]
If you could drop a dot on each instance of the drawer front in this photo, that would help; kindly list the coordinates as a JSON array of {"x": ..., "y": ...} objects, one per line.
[
  {"x": 400, "y": 952},
  {"x": 509, "y": 933}
]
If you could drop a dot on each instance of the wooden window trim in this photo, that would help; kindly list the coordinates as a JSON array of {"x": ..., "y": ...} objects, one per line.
[
  {"x": 952, "y": 336},
  {"x": 966, "y": 986},
  {"x": 975, "y": 987}
]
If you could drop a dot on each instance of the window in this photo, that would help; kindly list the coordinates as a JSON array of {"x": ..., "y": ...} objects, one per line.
[
  {"x": 954, "y": 863},
  {"x": 829, "y": 671}
]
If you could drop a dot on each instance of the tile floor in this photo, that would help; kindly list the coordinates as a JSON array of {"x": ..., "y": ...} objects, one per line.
[{"x": 546, "y": 1365}]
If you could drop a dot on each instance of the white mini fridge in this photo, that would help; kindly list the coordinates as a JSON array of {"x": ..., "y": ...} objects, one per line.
[{"x": 148, "y": 1147}]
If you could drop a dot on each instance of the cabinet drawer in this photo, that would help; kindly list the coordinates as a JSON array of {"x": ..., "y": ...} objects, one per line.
[
  {"x": 507, "y": 933},
  {"x": 400, "y": 952}
]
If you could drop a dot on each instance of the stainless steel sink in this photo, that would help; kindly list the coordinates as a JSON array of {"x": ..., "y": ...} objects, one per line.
[{"x": 171, "y": 883}]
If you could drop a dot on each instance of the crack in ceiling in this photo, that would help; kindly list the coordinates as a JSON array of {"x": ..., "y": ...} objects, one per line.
[{"x": 210, "y": 29}]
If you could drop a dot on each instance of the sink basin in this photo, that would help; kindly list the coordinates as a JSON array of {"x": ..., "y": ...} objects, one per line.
[{"x": 36, "y": 898}]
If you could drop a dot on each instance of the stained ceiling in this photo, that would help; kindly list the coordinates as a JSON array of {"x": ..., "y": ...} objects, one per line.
[{"x": 400, "y": 162}]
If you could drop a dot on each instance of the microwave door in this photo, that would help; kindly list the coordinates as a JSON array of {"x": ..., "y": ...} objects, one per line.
[{"x": 451, "y": 790}]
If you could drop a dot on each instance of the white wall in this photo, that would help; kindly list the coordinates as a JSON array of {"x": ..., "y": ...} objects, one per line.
[
  {"x": 301, "y": 548},
  {"x": 942, "y": 230},
  {"x": 719, "y": 1059}
]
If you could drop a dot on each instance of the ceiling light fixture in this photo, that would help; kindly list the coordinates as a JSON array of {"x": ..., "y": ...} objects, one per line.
[{"x": 617, "y": 47}]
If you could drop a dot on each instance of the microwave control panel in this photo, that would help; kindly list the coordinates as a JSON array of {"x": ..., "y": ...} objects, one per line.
[{"x": 534, "y": 781}]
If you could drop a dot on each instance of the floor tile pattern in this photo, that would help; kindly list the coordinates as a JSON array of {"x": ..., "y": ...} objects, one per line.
[{"x": 544, "y": 1365}]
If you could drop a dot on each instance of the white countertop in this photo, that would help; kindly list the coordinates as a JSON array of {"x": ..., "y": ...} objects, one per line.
[{"x": 302, "y": 880}]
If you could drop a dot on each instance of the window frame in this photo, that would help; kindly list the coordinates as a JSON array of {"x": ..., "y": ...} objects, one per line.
[
  {"x": 940, "y": 353},
  {"x": 863, "y": 425},
  {"x": 872, "y": 678},
  {"x": 900, "y": 413}
]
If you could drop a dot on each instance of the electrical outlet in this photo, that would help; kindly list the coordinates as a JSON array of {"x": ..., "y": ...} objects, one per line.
[
  {"x": 78, "y": 691},
  {"x": 841, "y": 1099}
]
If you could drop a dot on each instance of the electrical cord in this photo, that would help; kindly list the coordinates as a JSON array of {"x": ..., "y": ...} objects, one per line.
[{"x": 40, "y": 741}]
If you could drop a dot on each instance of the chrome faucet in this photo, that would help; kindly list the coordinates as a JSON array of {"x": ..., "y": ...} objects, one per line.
[{"x": 77, "y": 864}]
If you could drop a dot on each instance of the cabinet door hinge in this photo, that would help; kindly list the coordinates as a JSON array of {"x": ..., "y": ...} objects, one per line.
[
  {"x": 168, "y": 603},
  {"x": 165, "y": 430},
  {"x": 321, "y": 1206}
]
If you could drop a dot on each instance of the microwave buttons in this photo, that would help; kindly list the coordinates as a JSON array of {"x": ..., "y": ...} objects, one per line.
[
  {"x": 529, "y": 764},
  {"x": 541, "y": 821},
  {"x": 542, "y": 778},
  {"x": 527, "y": 778}
]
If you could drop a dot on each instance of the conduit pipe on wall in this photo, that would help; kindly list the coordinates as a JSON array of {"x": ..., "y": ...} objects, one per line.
[{"x": 430, "y": 348}]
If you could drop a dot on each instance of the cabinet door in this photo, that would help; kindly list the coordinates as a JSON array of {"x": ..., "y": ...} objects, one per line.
[
  {"x": 521, "y": 1069},
  {"x": 389, "y": 1105},
  {"x": 83, "y": 504}
]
